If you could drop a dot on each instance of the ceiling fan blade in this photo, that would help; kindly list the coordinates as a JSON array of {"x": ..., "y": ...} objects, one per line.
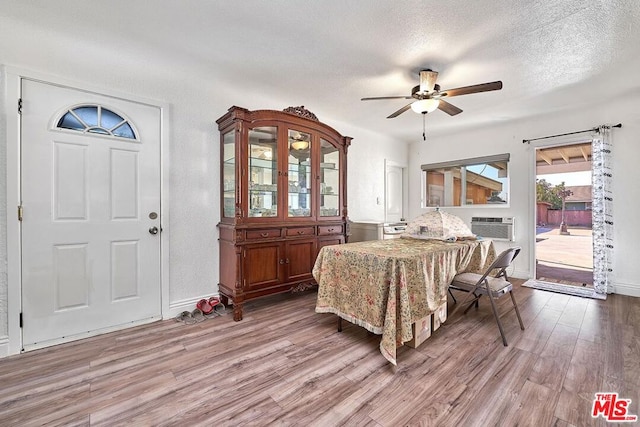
[
  {"x": 484, "y": 87},
  {"x": 374, "y": 98},
  {"x": 427, "y": 80},
  {"x": 400, "y": 111},
  {"x": 450, "y": 109}
]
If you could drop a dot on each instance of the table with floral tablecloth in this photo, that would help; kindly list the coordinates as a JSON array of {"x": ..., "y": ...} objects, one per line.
[{"x": 387, "y": 285}]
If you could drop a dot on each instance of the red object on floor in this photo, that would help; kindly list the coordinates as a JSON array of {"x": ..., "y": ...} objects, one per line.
[{"x": 205, "y": 306}]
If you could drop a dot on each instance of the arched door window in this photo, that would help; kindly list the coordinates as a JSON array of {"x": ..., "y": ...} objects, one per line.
[{"x": 96, "y": 119}]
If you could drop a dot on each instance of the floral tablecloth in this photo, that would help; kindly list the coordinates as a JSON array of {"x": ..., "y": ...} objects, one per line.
[{"x": 387, "y": 285}]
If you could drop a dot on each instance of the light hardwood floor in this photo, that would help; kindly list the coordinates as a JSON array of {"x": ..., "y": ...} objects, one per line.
[{"x": 286, "y": 365}]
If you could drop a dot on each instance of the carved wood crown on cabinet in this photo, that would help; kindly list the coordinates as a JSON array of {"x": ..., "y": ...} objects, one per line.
[{"x": 283, "y": 193}]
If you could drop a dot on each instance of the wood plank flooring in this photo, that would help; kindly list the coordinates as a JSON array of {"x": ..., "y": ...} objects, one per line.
[{"x": 286, "y": 365}]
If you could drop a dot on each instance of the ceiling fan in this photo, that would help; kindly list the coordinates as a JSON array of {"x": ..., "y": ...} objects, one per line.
[{"x": 427, "y": 96}]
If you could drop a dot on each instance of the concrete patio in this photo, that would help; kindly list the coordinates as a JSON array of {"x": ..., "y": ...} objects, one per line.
[{"x": 565, "y": 258}]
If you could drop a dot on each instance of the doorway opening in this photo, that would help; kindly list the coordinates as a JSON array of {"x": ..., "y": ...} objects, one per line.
[
  {"x": 395, "y": 192},
  {"x": 564, "y": 240}
]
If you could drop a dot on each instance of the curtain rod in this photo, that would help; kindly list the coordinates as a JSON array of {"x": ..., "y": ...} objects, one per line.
[{"x": 596, "y": 129}]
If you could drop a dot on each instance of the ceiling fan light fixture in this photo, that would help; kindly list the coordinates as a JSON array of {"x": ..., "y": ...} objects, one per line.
[
  {"x": 425, "y": 105},
  {"x": 299, "y": 144}
]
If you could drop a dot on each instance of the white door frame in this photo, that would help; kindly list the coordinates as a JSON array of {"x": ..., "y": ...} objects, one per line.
[
  {"x": 405, "y": 187},
  {"x": 534, "y": 145},
  {"x": 13, "y": 78}
]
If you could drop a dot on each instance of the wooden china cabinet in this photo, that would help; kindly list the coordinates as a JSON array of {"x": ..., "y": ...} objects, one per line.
[{"x": 284, "y": 196}]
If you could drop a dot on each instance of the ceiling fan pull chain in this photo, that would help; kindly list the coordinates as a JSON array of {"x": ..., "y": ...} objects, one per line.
[{"x": 424, "y": 130}]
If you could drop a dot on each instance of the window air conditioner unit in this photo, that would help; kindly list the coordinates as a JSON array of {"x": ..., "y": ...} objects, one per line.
[{"x": 500, "y": 228}]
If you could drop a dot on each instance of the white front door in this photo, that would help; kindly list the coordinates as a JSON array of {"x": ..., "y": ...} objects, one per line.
[{"x": 90, "y": 183}]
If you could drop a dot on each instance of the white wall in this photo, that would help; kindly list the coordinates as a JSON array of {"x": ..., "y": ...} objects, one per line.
[
  {"x": 507, "y": 138},
  {"x": 3, "y": 219},
  {"x": 366, "y": 172},
  {"x": 194, "y": 104}
]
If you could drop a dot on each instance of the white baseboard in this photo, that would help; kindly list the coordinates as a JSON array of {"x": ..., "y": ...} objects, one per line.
[
  {"x": 4, "y": 347},
  {"x": 520, "y": 274},
  {"x": 177, "y": 307},
  {"x": 629, "y": 289}
]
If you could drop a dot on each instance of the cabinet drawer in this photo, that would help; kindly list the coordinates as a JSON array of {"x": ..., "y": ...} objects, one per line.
[
  {"x": 324, "y": 230},
  {"x": 301, "y": 231},
  {"x": 263, "y": 234}
]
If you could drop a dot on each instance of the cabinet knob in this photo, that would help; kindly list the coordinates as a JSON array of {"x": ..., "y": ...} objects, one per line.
[
  {"x": 300, "y": 231},
  {"x": 281, "y": 261},
  {"x": 330, "y": 230},
  {"x": 264, "y": 234}
]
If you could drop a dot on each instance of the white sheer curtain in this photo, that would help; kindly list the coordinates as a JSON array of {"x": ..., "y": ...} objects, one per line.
[{"x": 602, "y": 178}]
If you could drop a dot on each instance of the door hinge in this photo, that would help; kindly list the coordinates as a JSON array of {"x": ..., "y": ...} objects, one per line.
[
  {"x": 21, "y": 319},
  {"x": 19, "y": 105},
  {"x": 20, "y": 212}
]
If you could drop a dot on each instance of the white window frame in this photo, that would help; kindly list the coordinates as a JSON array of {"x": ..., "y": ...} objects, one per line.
[{"x": 445, "y": 193}]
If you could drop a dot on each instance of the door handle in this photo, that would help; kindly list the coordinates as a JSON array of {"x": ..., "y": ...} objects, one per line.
[{"x": 153, "y": 230}]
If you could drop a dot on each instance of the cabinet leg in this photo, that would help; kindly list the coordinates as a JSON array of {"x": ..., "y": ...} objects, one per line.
[
  {"x": 237, "y": 311},
  {"x": 224, "y": 299}
]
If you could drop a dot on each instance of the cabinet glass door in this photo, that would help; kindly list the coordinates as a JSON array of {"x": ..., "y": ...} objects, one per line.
[
  {"x": 229, "y": 174},
  {"x": 299, "y": 174},
  {"x": 263, "y": 172},
  {"x": 329, "y": 179}
]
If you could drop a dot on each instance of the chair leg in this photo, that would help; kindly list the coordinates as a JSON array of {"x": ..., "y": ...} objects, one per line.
[
  {"x": 495, "y": 313},
  {"x": 458, "y": 307},
  {"x": 462, "y": 304},
  {"x": 474, "y": 302},
  {"x": 452, "y": 296},
  {"x": 517, "y": 311},
  {"x": 339, "y": 324}
]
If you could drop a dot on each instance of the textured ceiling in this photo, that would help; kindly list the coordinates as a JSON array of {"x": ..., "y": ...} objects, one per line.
[{"x": 326, "y": 55}]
